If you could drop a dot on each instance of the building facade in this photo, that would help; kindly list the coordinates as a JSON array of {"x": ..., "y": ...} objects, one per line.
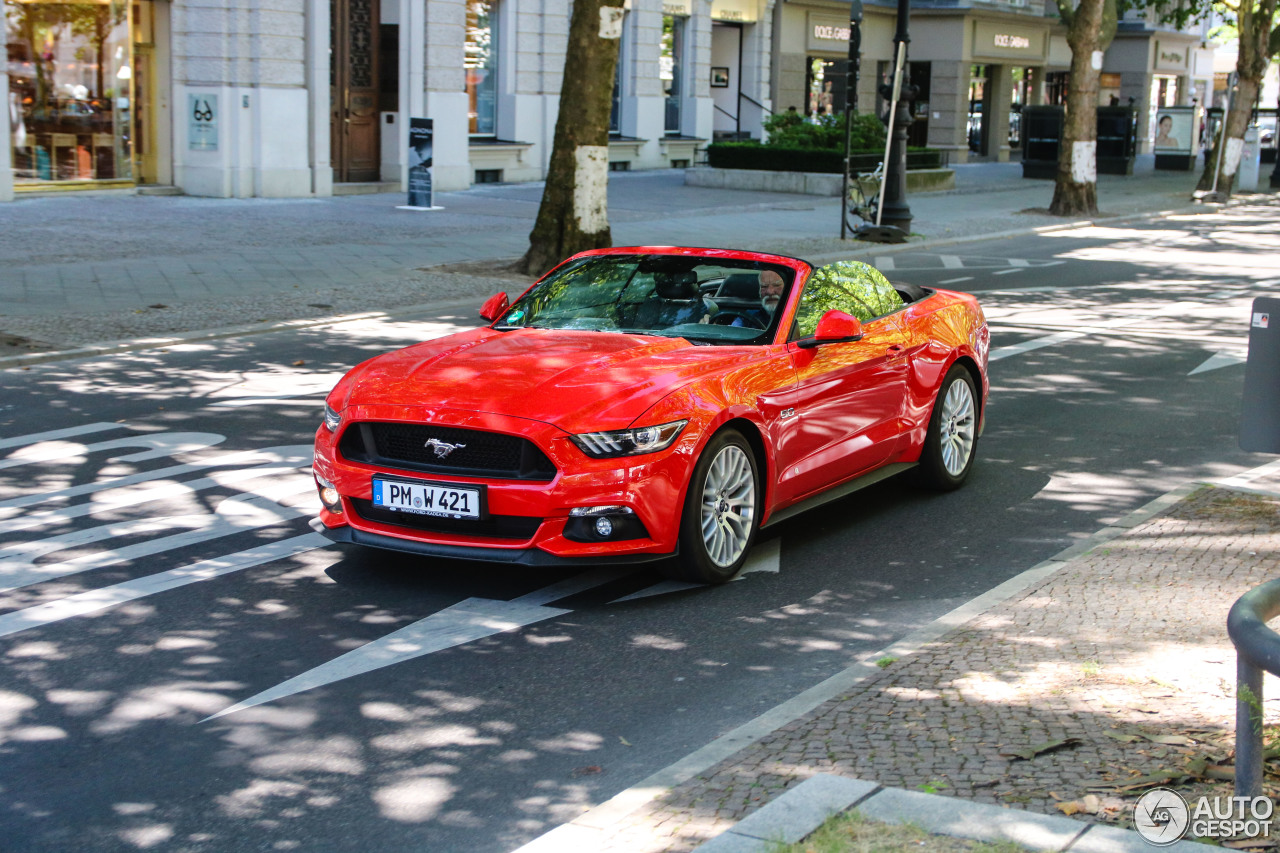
[
  {"x": 295, "y": 98},
  {"x": 281, "y": 98}
]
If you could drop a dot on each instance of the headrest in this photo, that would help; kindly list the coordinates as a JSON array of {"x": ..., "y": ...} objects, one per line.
[
  {"x": 740, "y": 285},
  {"x": 676, "y": 285}
]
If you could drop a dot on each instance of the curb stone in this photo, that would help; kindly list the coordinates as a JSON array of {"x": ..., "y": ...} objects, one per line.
[{"x": 801, "y": 810}]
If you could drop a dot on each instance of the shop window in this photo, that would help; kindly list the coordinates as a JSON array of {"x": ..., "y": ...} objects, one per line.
[
  {"x": 1108, "y": 90},
  {"x": 978, "y": 124},
  {"x": 71, "y": 90},
  {"x": 1055, "y": 88},
  {"x": 1024, "y": 82},
  {"x": 826, "y": 85},
  {"x": 671, "y": 68},
  {"x": 481, "y": 64}
]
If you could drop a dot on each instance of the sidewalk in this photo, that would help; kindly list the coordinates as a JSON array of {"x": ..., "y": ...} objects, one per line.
[
  {"x": 1107, "y": 667},
  {"x": 83, "y": 269}
]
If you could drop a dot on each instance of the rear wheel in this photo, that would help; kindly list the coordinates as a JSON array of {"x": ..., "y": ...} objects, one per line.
[
  {"x": 718, "y": 524},
  {"x": 953, "y": 433}
]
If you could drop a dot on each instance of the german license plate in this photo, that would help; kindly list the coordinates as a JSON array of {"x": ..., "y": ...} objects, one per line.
[{"x": 427, "y": 498}]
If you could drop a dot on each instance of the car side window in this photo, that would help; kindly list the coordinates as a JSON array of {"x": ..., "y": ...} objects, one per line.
[{"x": 853, "y": 287}]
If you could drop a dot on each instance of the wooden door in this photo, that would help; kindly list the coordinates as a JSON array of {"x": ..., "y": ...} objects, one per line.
[{"x": 354, "y": 90}]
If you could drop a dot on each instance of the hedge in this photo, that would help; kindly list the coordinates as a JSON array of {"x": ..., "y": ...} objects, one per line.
[{"x": 772, "y": 158}]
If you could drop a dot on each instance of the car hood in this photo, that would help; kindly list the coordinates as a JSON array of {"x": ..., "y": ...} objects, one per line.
[{"x": 577, "y": 381}]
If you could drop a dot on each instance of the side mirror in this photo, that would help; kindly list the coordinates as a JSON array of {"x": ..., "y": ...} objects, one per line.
[
  {"x": 835, "y": 327},
  {"x": 494, "y": 307}
]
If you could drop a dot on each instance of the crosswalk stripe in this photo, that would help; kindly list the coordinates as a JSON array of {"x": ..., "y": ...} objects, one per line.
[
  {"x": 234, "y": 515},
  {"x": 56, "y": 434},
  {"x": 94, "y": 600},
  {"x": 162, "y": 444},
  {"x": 124, "y": 498},
  {"x": 283, "y": 454}
]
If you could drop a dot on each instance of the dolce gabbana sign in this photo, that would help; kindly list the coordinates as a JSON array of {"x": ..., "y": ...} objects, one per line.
[
  {"x": 998, "y": 40},
  {"x": 827, "y": 34}
]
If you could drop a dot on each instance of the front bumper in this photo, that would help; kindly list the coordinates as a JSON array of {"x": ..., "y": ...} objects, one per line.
[
  {"x": 531, "y": 557},
  {"x": 651, "y": 486}
]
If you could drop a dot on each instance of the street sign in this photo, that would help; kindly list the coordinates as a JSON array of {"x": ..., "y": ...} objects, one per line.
[{"x": 1260, "y": 415}]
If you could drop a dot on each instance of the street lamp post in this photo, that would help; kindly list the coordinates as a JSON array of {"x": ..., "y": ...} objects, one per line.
[{"x": 896, "y": 211}]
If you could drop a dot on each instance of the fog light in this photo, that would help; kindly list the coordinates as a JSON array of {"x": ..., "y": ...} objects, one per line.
[
  {"x": 599, "y": 523},
  {"x": 328, "y": 495}
]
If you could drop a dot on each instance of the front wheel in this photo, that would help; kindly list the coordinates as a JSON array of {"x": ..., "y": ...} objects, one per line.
[
  {"x": 718, "y": 524},
  {"x": 953, "y": 433}
]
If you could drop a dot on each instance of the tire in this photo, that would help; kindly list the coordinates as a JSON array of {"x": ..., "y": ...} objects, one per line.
[
  {"x": 721, "y": 512},
  {"x": 951, "y": 443}
]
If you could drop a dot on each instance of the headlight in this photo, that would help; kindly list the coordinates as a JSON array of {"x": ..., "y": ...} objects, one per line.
[
  {"x": 629, "y": 442},
  {"x": 332, "y": 418}
]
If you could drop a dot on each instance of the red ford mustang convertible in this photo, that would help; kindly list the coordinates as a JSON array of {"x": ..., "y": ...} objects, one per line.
[{"x": 653, "y": 403}]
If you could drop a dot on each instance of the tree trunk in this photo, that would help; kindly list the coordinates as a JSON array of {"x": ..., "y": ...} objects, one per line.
[
  {"x": 1254, "y": 25},
  {"x": 1075, "y": 190},
  {"x": 574, "y": 214}
]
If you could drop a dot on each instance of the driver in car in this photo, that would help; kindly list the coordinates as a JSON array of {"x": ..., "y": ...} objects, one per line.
[{"x": 770, "y": 295}]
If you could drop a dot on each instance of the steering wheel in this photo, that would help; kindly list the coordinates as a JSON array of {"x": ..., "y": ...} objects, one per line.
[{"x": 728, "y": 315}]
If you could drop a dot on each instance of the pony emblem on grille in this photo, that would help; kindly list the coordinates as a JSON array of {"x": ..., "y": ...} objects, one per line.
[{"x": 442, "y": 448}]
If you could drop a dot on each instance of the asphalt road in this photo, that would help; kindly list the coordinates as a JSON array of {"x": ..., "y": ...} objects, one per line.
[{"x": 187, "y": 667}]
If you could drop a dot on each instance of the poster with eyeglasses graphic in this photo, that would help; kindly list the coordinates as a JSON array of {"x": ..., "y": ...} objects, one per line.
[{"x": 202, "y": 121}]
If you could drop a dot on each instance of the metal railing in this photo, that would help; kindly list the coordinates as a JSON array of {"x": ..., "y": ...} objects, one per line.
[{"x": 1257, "y": 650}]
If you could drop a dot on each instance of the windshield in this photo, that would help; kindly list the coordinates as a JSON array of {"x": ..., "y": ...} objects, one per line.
[{"x": 705, "y": 300}]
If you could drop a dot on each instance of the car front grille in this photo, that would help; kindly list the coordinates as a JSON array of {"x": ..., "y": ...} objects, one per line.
[
  {"x": 517, "y": 527},
  {"x": 418, "y": 447}
]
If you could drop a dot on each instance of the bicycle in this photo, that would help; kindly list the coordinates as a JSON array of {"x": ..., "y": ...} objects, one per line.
[
  {"x": 864, "y": 197},
  {"x": 864, "y": 203}
]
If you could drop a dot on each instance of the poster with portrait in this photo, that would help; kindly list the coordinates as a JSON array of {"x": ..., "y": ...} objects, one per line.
[{"x": 1175, "y": 130}]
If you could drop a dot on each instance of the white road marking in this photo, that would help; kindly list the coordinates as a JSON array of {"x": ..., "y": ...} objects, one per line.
[
  {"x": 957, "y": 280},
  {"x": 464, "y": 622},
  {"x": 234, "y": 515},
  {"x": 133, "y": 497},
  {"x": 951, "y": 262},
  {"x": 1226, "y": 358},
  {"x": 885, "y": 263},
  {"x": 461, "y": 623},
  {"x": 161, "y": 444},
  {"x": 282, "y": 454},
  {"x": 1180, "y": 308},
  {"x": 1008, "y": 271},
  {"x": 95, "y": 600},
  {"x": 55, "y": 434},
  {"x": 1246, "y": 477},
  {"x": 294, "y": 400}
]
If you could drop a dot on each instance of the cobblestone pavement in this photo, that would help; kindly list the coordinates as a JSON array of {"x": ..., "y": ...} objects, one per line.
[{"x": 1123, "y": 648}]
